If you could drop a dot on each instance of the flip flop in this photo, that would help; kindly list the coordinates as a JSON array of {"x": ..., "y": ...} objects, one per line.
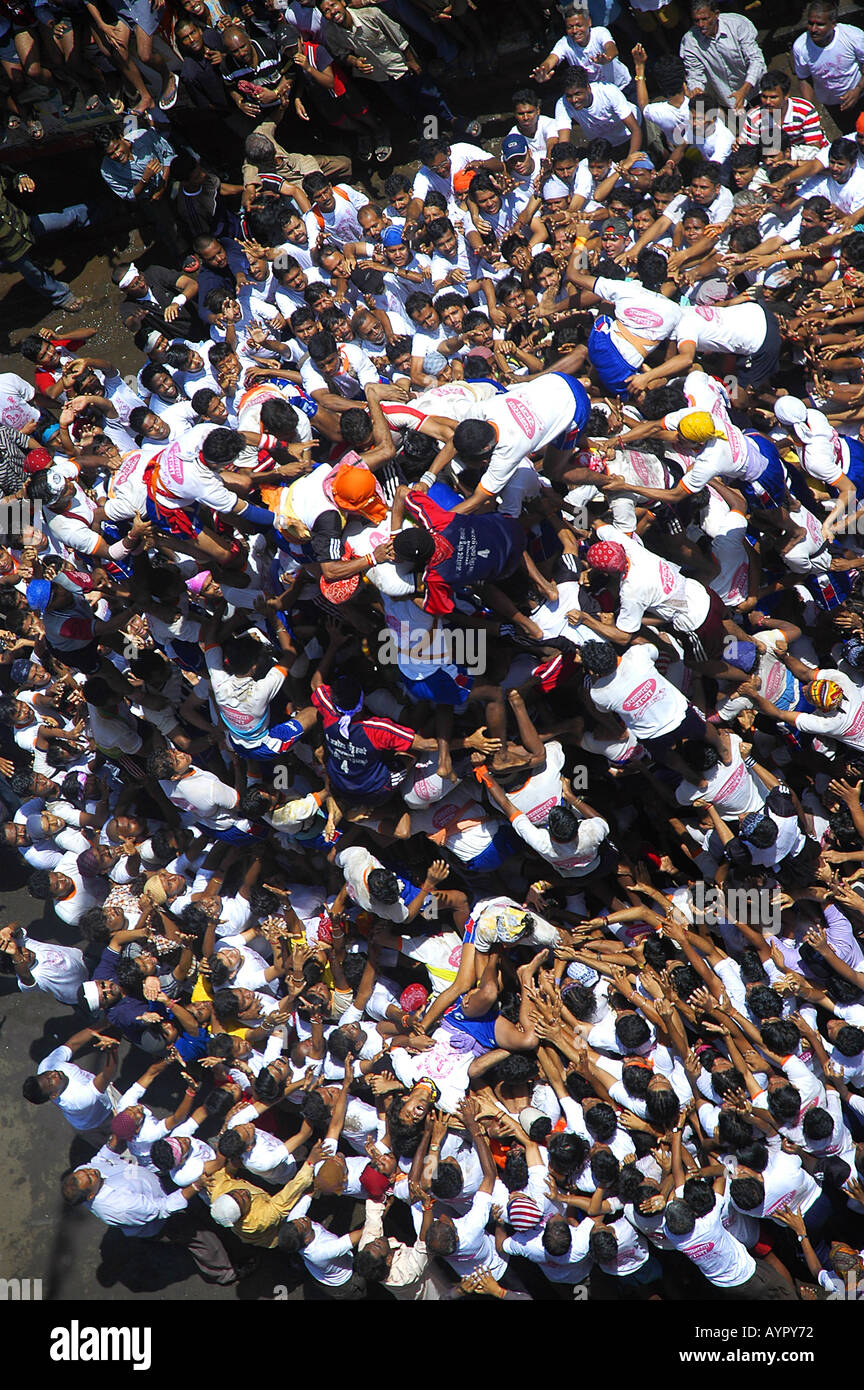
[
  {"x": 95, "y": 103},
  {"x": 35, "y": 129}
]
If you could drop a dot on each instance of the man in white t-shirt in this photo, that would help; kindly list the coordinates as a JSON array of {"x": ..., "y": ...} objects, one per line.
[
  {"x": 88, "y": 1101},
  {"x": 500, "y": 433},
  {"x": 829, "y": 62},
  {"x": 618, "y": 346},
  {"x": 748, "y": 331}
]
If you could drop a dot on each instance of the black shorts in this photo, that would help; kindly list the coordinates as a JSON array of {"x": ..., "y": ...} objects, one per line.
[
  {"x": 691, "y": 726},
  {"x": 705, "y": 643},
  {"x": 764, "y": 363}
]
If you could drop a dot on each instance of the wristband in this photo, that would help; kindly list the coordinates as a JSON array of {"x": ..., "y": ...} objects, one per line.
[
  {"x": 179, "y": 299},
  {"x": 428, "y": 478},
  {"x": 119, "y": 550}
]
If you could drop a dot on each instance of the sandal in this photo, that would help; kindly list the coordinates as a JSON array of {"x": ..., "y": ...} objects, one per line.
[
  {"x": 94, "y": 104},
  {"x": 35, "y": 129},
  {"x": 116, "y": 105},
  {"x": 67, "y": 105},
  {"x": 13, "y": 123}
]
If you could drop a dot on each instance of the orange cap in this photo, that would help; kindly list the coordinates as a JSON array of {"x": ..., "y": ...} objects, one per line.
[
  {"x": 462, "y": 180},
  {"x": 859, "y": 124},
  {"x": 354, "y": 491}
]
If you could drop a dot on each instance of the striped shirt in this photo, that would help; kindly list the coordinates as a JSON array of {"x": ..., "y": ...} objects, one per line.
[{"x": 799, "y": 121}]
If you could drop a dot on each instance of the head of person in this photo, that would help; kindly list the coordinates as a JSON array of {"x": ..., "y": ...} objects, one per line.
[
  {"x": 577, "y": 89},
  {"x": 706, "y": 18},
  {"x": 821, "y": 18}
]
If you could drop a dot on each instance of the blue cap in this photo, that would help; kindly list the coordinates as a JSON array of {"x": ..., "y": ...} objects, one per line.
[
  {"x": 514, "y": 145},
  {"x": 19, "y": 670},
  {"x": 392, "y": 236},
  {"x": 38, "y": 594}
]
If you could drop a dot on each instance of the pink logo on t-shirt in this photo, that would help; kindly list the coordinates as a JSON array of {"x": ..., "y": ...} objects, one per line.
[
  {"x": 704, "y": 312},
  {"x": 732, "y": 784},
  {"x": 538, "y": 814},
  {"x": 667, "y": 577},
  {"x": 641, "y": 697},
  {"x": 642, "y": 466},
  {"x": 127, "y": 468},
  {"x": 697, "y": 1251},
  {"x": 642, "y": 318},
  {"x": 525, "y": 418},
  {"x": 857, "y": 723},
  {"x": 171, "y": 463},
  {"x": 775, "y": 681},
  {"x": 444, "y": 816}
]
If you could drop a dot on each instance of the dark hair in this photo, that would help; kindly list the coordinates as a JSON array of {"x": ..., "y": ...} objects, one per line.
[
  {"x": 781, "y": 1035},
  {"x": 733, "y": 1130},
  {"x": 662, "y": 1107},
  {"x": 765, "y": 1002},
  {"x": 818, "y": 1124},
  {"x": 31, "y": 1089},
  {"x": 605, "y": 1168},
  {"x": 680, "y": 1217},
  {"x": 699, "y": 1196},
  {"x": 747, "y": 1193},
  {"x": 603, "y": 1244},
  {"x": 601, "y": 1122},
  {"x": 632, "y": 1031},
  {"x": 849, "y": 1040},
  {"x": 598, "y": 658},
  {"x": 231, "y": 1144},
  {"x": 448, "y": 1181}
]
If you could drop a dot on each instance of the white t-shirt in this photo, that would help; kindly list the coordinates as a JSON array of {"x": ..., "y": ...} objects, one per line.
[
  {"x": 740, "y": 328},
  {"x": 643, "y": 312},
  {"x": 84, "y": 1106},
  {"x": 834, "y": 69},
  {"x": 656, "y": 584},
  {"x": 592, "y": 58},
  {"x": 845, "y": 724},
  {"x": 605, "y": 116},
  {"x": 649, "y": 705},
  {"x": 527, "y": 419},
  {"x": 15, "y": 397},
  {"x": 723, "y": 1260},
  {"x": 732, "y": 787},
  {"x": 59, "y": 970},
  {"x": 676, "y": 123},
  {"x": 574, "y": 859}
]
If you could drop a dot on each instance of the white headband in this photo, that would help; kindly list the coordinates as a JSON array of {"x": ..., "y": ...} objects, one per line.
[{"x": 131, "y": 274}]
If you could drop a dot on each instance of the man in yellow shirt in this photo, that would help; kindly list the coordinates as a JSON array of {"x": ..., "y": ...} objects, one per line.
[{"x": 254, "y": 1215}]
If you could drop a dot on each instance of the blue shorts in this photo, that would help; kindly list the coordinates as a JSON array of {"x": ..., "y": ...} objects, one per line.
[
  {"x": 482, "y": 1030},
  {"x": 440, "y": 687},
  {"x": 612, "y": 369},
  {"x": 276, "y": 742},
  {"x": 299, "y": 399},
  {"x": 174, "y": 521},
  {"x": 856, "y": 466},
  {"x": 568, "y": 439},
  {"x": 769, "y": 489},
  {"x": 504, "y": 843}
]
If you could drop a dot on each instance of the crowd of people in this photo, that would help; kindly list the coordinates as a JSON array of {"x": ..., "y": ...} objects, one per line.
[{"x": 433, "y": 678}]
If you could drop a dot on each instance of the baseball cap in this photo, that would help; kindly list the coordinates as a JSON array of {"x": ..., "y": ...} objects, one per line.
[
  {"x": 617, "y": 224},
  {"x": 392, "y": 236},
  {"x": 513, "y": 145},
  {"x": 859, "y": 124}
]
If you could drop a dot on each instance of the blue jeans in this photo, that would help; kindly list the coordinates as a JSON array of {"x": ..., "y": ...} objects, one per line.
[{"x": 33, "y": 275}]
